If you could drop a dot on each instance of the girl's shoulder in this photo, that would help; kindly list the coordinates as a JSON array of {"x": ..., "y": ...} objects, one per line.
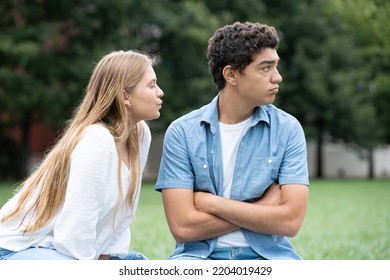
[
  {"x": 97, "y": 134},
  {"x": 98, "y": 130}
]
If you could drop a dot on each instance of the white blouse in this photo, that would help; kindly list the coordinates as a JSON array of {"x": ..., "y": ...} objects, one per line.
[{"x": 88, "y": 224}]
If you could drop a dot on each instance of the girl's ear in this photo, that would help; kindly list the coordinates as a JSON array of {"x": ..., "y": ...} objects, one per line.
[
  {"x": 126, "y": 99},
  {"x": 229, "y": 74}
]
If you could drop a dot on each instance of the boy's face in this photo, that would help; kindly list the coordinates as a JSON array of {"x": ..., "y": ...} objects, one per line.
[{"x": 259, "y": 82}]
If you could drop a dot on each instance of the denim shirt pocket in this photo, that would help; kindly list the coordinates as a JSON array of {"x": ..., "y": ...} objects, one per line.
[
  {"x": 263, "y": 172},
  {"x": 203, "y": 180}
]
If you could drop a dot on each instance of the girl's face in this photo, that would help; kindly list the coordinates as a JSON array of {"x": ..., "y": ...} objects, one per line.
[{"x": 145, "y": 100}]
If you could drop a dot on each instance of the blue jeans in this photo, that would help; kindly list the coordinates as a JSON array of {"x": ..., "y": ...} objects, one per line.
[
  {"x": 51, "y": 254},
  {"x": 229, "y": 253}
]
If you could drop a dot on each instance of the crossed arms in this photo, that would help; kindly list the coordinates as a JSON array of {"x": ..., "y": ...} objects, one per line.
[{"x": 200, "y": 216}]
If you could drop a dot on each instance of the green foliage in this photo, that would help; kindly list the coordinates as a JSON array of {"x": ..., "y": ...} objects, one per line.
[
  {"x": 369, "y": 21},
  {"x": 183, "y": 73},
  {"x": 326, "y": 81},
  {"x": 335, "y": 59}
]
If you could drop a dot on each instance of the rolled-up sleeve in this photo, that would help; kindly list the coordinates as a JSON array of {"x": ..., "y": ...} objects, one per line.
[
  {"x": 294, "y": 169},
  {"x": 175, "y": 168}
]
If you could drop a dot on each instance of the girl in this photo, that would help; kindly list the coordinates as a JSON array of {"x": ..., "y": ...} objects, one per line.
[{"x": 81, "y": 200}]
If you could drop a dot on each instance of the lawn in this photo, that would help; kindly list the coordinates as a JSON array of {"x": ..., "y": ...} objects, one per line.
[{"x": 346, "y": 220}]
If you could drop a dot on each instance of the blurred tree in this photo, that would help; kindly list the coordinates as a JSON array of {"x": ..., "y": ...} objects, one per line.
[
  {"x": 369, "y": 21},
  {"x": 325, "y": 79},
  {"x": 184, "y": 27},
  {"x": 47, "y": 49}
]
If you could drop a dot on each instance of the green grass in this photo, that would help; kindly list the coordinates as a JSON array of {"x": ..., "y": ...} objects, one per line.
[
  {"x": 150, "y": 232},
  {"x": 6, "y": 191},
  {"x": 346, "y": 220}
]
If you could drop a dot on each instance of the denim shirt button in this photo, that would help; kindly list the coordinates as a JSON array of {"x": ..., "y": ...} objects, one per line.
[
  {"x": 270, "y": 161},
  {"x": 205, "y": 166}
]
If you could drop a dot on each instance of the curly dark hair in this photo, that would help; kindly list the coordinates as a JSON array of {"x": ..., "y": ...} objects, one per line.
[{"x": 236, "y": 45}]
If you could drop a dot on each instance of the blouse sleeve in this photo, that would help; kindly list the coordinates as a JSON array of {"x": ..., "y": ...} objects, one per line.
[{"x": 91, "y": 164}]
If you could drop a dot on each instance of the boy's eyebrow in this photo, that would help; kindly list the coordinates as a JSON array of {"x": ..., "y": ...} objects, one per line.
[{"x": 269, "y": 62}]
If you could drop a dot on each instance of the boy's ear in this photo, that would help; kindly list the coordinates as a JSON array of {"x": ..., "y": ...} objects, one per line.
[{"x": 229, "y": 74}]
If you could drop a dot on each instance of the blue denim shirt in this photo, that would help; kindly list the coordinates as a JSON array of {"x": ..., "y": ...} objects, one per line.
[{"x": 273, "y": 149}]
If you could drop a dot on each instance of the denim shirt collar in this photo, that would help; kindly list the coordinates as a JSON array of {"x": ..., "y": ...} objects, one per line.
[{"x": 210, "y": 115}]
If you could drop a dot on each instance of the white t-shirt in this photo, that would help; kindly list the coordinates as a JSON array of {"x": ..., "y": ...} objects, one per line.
[
  {"x": 231, "y": 135},
  {"x": 83, "y": 227}
]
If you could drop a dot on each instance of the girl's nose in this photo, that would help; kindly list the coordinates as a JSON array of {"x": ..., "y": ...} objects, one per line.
[{"x": 160, "y": 93}]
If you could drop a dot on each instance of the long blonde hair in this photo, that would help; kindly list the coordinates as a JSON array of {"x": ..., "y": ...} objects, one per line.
[{"x": 103, "y": 103}]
